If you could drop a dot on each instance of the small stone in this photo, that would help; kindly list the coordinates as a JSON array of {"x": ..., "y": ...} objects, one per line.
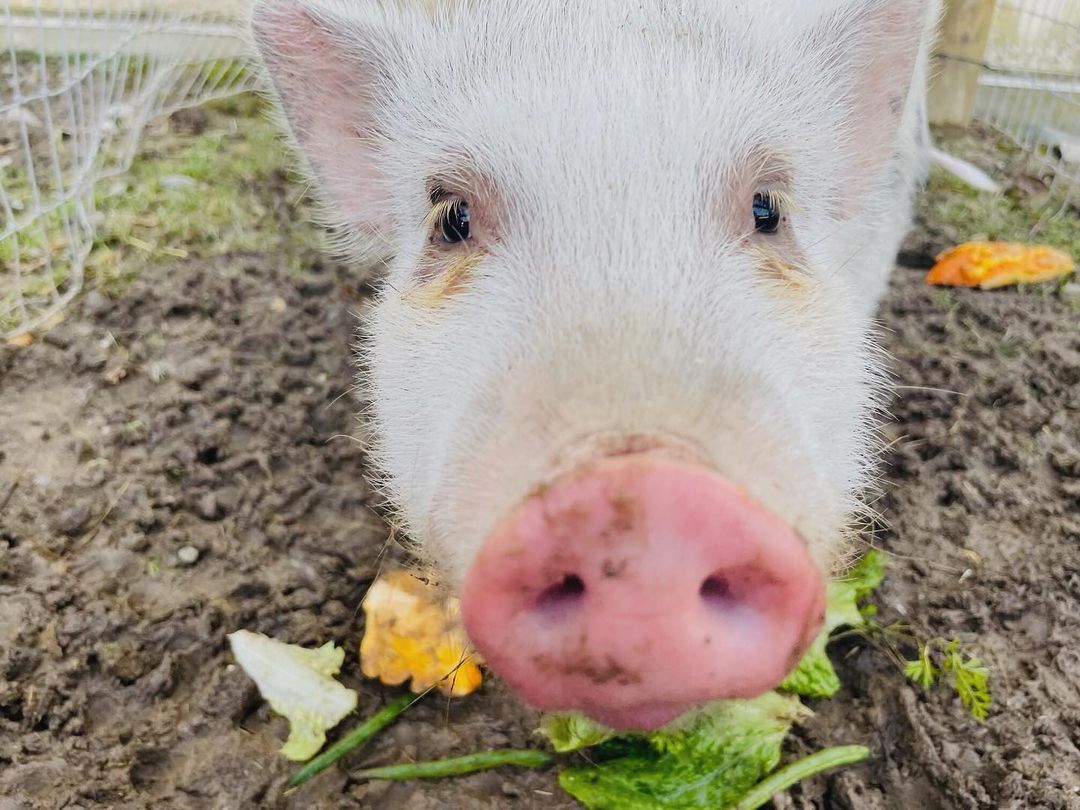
[
  {"x": 188, "y": 555},
  {"x": 73, "y": 520},
  {"x": 1071, "y": 292}
]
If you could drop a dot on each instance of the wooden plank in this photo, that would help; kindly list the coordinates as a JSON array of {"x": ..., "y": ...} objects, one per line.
[{"x": 965, "y": 30}]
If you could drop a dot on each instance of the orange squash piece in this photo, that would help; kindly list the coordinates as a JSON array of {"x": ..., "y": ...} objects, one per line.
[
  {"x": 988, "y": 265},
  {"x": 413, "y": 633}
]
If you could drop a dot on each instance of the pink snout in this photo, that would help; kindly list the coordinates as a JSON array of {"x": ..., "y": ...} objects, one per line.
[{"x": 639, "y": 587}]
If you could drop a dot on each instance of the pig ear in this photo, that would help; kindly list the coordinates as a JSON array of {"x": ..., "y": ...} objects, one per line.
[
  {"x": 872, "y": 47},
  {"x": 326, "y": 68}
]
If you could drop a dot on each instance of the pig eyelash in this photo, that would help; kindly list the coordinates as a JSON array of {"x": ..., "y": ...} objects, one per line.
[
  {"x": 449, "y": 219},
  {"x": 769, "y": 207}
]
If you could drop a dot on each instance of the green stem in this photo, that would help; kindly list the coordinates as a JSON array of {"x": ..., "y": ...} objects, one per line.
[
  {"x": 456, "y": 766},
  {"x": 384, "y": 717},
  {"x": 794, "y": 773}
]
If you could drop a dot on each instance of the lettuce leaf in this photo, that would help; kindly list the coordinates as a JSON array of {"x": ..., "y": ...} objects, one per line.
[
  {"x": 720, "y": 754},
  {"x": 713, "y": 758},
  {"x": 299, "y": 684},
  {"x": 815, "y": 675},
  {"x": 573, "y": 731}
]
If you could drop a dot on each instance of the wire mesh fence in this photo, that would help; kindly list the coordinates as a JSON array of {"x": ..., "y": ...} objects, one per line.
[
  {"x": 1030, "y": 85},
  {"x": 78, "y": 81}
]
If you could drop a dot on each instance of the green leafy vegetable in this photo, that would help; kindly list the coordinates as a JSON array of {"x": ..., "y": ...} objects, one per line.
[
  {"x": 572, "y": 732},
  {"x": 711, "y": 762},
  {"x": 815, "y": 675}
]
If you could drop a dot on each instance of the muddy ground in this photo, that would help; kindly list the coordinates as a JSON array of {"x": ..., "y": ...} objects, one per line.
[{"x": 203, "y": 408}]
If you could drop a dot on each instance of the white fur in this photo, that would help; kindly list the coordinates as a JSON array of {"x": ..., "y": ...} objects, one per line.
[{"x": 616, "y": 299}]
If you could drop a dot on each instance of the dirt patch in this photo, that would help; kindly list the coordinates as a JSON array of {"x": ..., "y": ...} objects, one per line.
[
  {"x": 226, "y": 434},
  {"x": 982, "y": 498},
  {"x": 205, "y": 409}
]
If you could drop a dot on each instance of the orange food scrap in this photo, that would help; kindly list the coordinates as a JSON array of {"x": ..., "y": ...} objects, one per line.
[
  {"x": 412, "y": 632},
  {"x": 996, "y": 264}
]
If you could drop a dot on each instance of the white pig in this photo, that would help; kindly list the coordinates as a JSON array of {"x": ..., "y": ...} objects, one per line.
[{"x": 622, "y": 366}]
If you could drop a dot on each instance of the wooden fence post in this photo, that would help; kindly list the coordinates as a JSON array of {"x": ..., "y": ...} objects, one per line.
[{"x": 965, "y": 30}]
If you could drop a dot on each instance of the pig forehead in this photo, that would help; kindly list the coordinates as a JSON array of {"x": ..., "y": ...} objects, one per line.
[{"x": 626, "y": 90}]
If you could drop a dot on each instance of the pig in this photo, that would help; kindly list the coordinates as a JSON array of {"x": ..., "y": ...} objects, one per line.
[{"x": 622, "y": 366}]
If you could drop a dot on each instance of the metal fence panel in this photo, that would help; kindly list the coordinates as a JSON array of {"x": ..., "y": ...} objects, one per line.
[
  {"x": 1030, "y": 87},
  {"x": 78, "y": 81}
]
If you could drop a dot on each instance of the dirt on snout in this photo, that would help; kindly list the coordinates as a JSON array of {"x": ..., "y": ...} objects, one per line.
[{"x": 174, "y": 465}]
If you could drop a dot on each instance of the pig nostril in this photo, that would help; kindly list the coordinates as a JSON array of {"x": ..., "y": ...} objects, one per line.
[
  {"x": 716, "y": 591},
  {"x": 563, "y": 595}
]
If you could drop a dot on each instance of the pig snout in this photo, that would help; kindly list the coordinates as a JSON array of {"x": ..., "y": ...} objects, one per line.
[{"x": 638, "y": 586}]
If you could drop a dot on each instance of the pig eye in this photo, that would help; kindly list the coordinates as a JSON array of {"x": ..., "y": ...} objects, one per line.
[
  {"x": 453, "y": 221},
  {"x": 766, "y": 213}
]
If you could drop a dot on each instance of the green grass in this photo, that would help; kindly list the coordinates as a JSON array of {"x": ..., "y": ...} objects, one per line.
[
  {"x": 952, "y": 206},
  {"x": 202, "y": 195},
  {"x": 957, "y": 213},
  {"x": 226, "y": 189}
]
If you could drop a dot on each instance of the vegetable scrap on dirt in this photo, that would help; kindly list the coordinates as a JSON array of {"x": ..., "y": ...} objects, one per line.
[
  {"x": 989, "y": 265},
  {"x": 724, "y": 756},
  {"x": 413, "y": 634},
  {"x": 299, "y": 685}
]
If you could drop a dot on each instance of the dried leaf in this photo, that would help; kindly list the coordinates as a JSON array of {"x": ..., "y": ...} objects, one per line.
[
  {"x": 988, "y": 265},
  {"x": 412, "y": 633}
]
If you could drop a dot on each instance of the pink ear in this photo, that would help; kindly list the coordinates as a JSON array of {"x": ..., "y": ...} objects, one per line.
[
  {"x": 326, "y": 75},
  {"x": 873, "y": 49}
]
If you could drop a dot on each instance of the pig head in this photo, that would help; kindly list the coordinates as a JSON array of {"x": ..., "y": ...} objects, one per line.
[{"x": 621, "y": 367}]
